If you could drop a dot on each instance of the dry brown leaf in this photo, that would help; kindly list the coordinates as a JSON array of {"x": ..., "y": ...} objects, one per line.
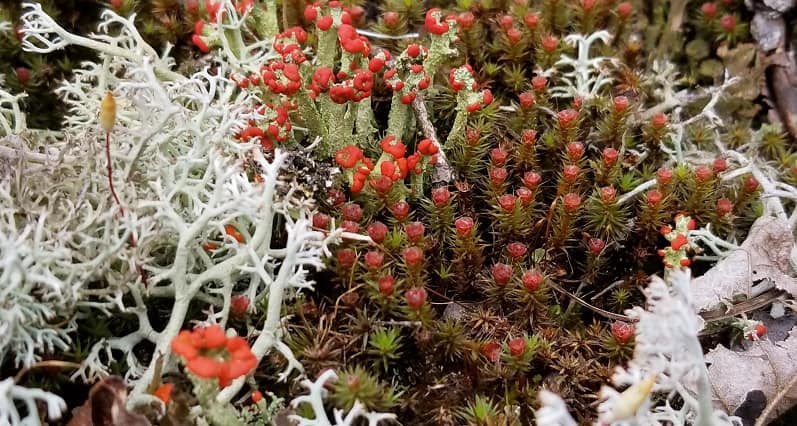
[
  {"x": 742, "y": 61},
  {"x": 739, "y": 379},
  {"x": 106, "y": 406},
  {"x": 765, "y": 254}
]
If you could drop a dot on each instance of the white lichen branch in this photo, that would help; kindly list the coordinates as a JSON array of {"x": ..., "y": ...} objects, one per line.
[{"x": 315, "y": 399}]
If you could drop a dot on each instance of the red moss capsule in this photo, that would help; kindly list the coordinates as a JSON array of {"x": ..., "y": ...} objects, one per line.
[
  {"x": 415, "y": 297},
  {"x": 622, "y": 332}
]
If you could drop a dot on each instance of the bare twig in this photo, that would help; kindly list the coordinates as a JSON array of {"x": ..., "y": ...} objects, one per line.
[
  {"x": 442, "y": 172},
  {"x": 762, "y": 420},
  {"x": 599, "y": 311},
  {"x": 748, "y": 305},
  {"x": 50, "y": 363},
  {"x": 382, "y": 36}
]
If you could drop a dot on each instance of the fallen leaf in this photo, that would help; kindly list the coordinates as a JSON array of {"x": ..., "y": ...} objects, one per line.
[
  {"x": 745, "y": 382},
  {"x": 764, "y": 255},
  {"x": 106, "y": 406},
  {"x": 742, "y": 61}
]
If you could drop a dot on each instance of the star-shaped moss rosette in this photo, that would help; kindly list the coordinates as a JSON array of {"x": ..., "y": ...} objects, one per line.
[
  {"x": 519, "y": 352},
  {"x": 676, "y": 253}
]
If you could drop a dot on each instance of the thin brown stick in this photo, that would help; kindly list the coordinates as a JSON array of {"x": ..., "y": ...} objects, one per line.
[
  {"x": 44, "y": 364},
  {"x": 599, "y": 311},
  {"x": 110, "y": 171},
  {"x": 748, "y": 305},
  {"x": 442, "y": 172},
  {"x": 762, "y": 420}
]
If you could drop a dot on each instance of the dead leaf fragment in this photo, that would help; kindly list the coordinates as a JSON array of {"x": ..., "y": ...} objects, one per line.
[
  {"x": 106, "y": 406},
  {"x": 764, "y": 255},
  {"x": 766, "y": 367}
]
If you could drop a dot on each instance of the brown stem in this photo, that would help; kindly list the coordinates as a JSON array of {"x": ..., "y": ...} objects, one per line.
[
  {"x": 442, "y": 172},
  {"x": 51, "y": 363},
  {"x": 131, "y": 239},
  {"x": 110, "y": 171}
]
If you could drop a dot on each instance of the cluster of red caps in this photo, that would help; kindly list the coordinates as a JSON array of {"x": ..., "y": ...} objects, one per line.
[
  {"x": 348, "y": 15},
  {"x": 492, "y": 350},
  {"x": 212, "y": 8},
  {"x": 459, "y": 83},
  {"x": 277, "y": 129},
  {"x": 393, "y": 166},
  {"x": 210, "y": 354},
  {"x": 678, "y": 240}
]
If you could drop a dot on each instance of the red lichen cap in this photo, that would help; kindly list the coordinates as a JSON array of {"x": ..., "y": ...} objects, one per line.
[
  {"x": 210, "y": 354},
  {"x": 348, "y": 156},
  {"x": 679, "y": 242},
  {"x": 434, "y": 23}
]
